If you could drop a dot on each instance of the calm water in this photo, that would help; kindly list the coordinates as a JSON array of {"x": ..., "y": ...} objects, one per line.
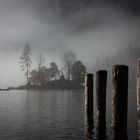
[{"x": 55, "y": 115}]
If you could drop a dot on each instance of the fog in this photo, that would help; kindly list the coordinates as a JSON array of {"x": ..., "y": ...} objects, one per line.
[{"x": 91, "y": 29}]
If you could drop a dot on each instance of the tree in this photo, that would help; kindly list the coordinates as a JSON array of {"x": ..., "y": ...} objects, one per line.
[
  {"x": 44, "y": 75},
  {"x": 40, "y": 77},
  {"x": 69, "y": 59},
  {"x": 34, "y": 77},
  {"x": 54, "y": 71},
  {"x": 78, "y": 73},
  {"x": 40, "y": 62},
  {"x": 25, "y": 61}
]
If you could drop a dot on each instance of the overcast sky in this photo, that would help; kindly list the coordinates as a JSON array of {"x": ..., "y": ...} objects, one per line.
[{"x": 87, "y": 27}]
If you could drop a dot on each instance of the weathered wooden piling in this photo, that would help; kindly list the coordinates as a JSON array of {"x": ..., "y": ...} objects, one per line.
[
  {"x": 120, "y": 98},
  {"x": 101, "y": 82},
  {"x": 138, "y": 95},
  {"x": 89, "y": 124},
  {"x": 89, "y": 94},
  {"x": 138, "y": 86}
]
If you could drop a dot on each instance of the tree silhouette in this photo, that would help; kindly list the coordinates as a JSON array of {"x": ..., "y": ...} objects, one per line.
[
  {"x": 78, "y": 73},
  {"x": 40, "y": 62},
  {"x": 25, "y": 61},
  {"x": 34, "y": 77},
  {"x": 54, "y": 71},
  {"x": 44, "y": 75},
  {"x": 69, "y": 59}
]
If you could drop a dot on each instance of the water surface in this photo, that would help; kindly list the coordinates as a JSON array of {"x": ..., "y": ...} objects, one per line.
[{"x": 56, "y": 115}]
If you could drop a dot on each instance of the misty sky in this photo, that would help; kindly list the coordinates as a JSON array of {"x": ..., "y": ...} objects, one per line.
[{"x": 87, "y": 27}]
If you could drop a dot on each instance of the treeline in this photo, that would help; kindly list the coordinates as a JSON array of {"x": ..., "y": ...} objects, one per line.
[{"x": 51, "y": 77}]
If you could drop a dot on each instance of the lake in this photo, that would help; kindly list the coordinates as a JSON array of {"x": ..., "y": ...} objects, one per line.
[{"x": 56, "y": 115}]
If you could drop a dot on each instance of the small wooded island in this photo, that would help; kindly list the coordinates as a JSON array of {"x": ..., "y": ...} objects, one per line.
[
  {"x": 61, "y": 83},
  {"x": 71, "y": 75}
]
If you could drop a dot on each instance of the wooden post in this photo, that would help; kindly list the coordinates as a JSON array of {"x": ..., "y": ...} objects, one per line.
[
  {"x": 101, "y": 82},
  {"x": 138, "y": 95},
  {"x": 120, "y": 98},
  {"x": 89, "y": 125},
  {"x": 138, "y": 87},
  {"x": 89, "y": 94},
  {"x": 89, "y": 104}
]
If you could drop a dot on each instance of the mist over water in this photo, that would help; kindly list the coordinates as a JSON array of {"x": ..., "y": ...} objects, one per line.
[{"x": 91, "y": 29}]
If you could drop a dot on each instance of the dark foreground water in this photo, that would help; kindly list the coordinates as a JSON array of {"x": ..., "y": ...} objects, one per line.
[{"x": 56, "y": 115}]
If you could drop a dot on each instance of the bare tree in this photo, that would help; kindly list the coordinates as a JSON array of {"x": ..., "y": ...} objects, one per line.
[
  {"x": 54, "y": 70},
  {"x": 69, "y": 59},
  {"x": 25, "y": 61},
  {"x": 34, "y": 77},
  {"x": 78, "y": 73},
  {"x": 40, "y": 61},
  {"x": 44, "y": 75}
]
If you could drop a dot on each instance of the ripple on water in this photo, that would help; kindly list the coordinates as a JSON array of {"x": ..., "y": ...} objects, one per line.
[{"x": 56, "y": 115}]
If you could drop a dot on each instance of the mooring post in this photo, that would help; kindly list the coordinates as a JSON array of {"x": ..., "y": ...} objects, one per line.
[
  {"x": 138, "y": 95},
  {"x": 89, "y": 104},
  {"x": 138, "y": 87},
  {"x": 89, "y": 94},
  {"x": 101, "y": 82},
  {"x": 89, "y": 124},
  {"x": 120, "y": 98}
]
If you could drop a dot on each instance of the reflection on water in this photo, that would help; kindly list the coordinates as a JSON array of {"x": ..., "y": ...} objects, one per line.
[
  {"x": 101, "y": 129},
  {"x": 89, "y": 125},
  {"x": 57, "y": 115},
  {"x": 119, "y": 135},
  {"x": 139, "y": 127}
]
